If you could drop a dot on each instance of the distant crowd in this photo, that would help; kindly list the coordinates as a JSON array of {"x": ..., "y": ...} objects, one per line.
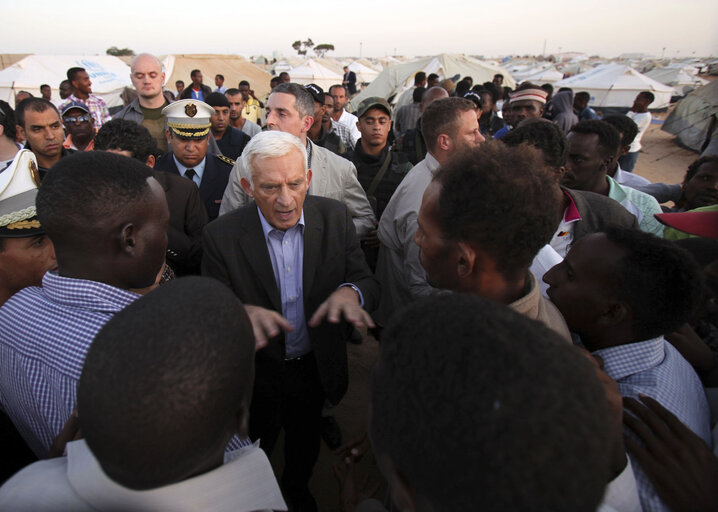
[{"x": 179, "y": 282}]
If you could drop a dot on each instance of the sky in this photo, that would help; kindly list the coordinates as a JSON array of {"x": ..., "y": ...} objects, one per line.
[{"x": 369, "y": 28}]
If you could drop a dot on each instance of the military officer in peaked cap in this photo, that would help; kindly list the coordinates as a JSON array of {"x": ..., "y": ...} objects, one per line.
[{"x": 188, "y": 136}]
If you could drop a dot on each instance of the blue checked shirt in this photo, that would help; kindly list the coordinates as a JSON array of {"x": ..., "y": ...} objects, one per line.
[
  {"x": 656, "y": 369},
  {"x": 44, "y": 337}
]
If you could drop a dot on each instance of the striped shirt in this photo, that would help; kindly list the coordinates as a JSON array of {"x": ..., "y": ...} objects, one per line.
[
  {"x": 656, "y": 369},
  {"x": 45, "y": 334},
  {"x": 97, "y": 106}
]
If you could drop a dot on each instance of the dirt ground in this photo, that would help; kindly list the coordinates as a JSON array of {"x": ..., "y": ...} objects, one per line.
[{"x": 661, "y": 159}]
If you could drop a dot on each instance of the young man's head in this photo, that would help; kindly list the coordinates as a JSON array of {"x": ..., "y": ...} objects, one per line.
[
  {"x": 166, "y": 383},
  {"x": 219, "y": 80},
  {"x": 277, "y": 176},
  {"x": 290, "y": 109},
  {"x": 627, "y": 130},
  {"x": 450, "y": 125},
  {"x": 420, "y": 79},
  {"x": 65, "y": 89},
  {"x": 220, "y": 118},
  {"x": 527, "y": 102},
  {"x": 188, "y": 127},
  {"x": 80, "y": 81},
  {"x": 284, "y": 77},
  {"x": 78, "y": 122},
  {"x": 196, "y": 77},
  {"x": 179, "y": 85},
  {"x": 700, "y": 184},
  {"x": 245, "y": 89},
  {"x": 624, "y": 286},
  {"x": 46, "y": 92},
  {"x": 580, "y": 101},
  {"x": 374, "y": 122},
  {"x": 432, "y": 80},
  {"x": 236, "y": 103},
  {"x": 20, "y": 96},
  {"x": 318, "y": 96},
  {"x": 274, "y": 81},
  {"x": 593, "y": 146},
  {"x": 127, "y": 138},
  {"x": 498, "y": 80},
  {"x": 503, "y": 419},
  {"x": 39, "y": 123},
  {"x": 147, "y": 78},
  {"x": 339, "y": 94},
  {"x": 547, "y": 138},
  {"x": 484, "y": 218},
  {"x": 107, "y": 218},
  {"x": 643, "y": 101}
]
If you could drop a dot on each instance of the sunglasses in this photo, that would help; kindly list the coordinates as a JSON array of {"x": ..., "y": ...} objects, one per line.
[{"x": 80, "y": 119}]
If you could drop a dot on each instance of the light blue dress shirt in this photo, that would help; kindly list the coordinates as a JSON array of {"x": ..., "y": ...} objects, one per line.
[{"x": 199, "y": 170}]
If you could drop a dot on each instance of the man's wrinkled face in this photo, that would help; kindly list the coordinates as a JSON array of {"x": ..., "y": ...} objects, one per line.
[
  {"x": 525, "y": 109},
  {"x": 435, "y": 251},
  {"x": 23, "y": 261},
  {"x": 282, "y": 115},
  {"x": 584, "y": 165},
  {"x": 340, "y": 98},
  {"x": 78, "y": 123},
  {"x": 44, "y": 132},
  {"x": 189, "y": 152},
  {"x": 236, "y": 104},
  {"x": 279, "y": 187},
  {"x": 374, "y": 127},
  {"x": 220, "y": 119},
  {"x": 147, "y": 77},
  {"x": 82, "y": 82},
  {"x": 702, "y": 189}
]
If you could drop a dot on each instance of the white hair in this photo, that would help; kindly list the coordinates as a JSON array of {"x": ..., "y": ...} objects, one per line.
[{"x": 269, "y": 144}]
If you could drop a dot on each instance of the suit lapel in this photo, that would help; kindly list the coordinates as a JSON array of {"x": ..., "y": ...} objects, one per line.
[
  {"x": 313, "y": 230},
  {"x": 254, "y": 247},
  {"x": 206, "y": 186}
]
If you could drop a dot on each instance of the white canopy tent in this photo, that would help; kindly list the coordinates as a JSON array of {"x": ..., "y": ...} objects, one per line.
[
  {"x": 364, "y": 73},
  {"x": 311, "y": 72},
  {"x": 616, "y": 85},
  {"x": 682, "y": 78},
  {"x": 545, "y": 76},
  {"x": 109, "y": 76}
]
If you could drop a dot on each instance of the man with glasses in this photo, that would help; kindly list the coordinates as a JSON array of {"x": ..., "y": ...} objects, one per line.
[{"x": 79, "y": 126}]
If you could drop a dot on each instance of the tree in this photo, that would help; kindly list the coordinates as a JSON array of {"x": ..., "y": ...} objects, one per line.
[
  {"x": 302, "y": 46},
  {"x": 119, "y": 52},
  {"x": 322, "y": 49}
]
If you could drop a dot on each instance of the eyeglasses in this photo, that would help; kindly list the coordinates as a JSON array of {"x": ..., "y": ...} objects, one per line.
[{"x": 80, "y": 119}]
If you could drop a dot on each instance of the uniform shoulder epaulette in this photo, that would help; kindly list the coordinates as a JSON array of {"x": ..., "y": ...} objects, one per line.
[{"x": 226, "y": 160}]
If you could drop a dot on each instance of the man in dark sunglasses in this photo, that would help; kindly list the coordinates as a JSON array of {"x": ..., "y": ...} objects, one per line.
[{"x": 79, "y": 126}]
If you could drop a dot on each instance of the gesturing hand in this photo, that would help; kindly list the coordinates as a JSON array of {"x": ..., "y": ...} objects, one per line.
[
  {"x": 266, "y": 324},
  {"x": 343, "y": 302}
]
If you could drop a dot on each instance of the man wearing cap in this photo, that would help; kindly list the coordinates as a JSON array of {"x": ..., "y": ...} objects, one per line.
[
  {"x": 318, "y": 133},
  {"x": 340, "y": 114},
  {"x": 230, "y": 140},
  {"x": 188, "y": 138},
  {"x": 79, "y": 126},
  {"x": 290, "y": 109},
  {"x": 236, "y": 113},
  {"x": 82, "y": 91},
  {"x": 146, "y": 109},
  {"x": 527, "y": 102},
  {"x": 39, "y": 124}
]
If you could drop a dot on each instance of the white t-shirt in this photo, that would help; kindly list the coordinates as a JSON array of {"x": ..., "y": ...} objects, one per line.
[{"x": 643, "y": 120}]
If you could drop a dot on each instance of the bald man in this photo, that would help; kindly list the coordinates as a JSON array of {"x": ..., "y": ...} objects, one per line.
[{"x": 147, "y": 77}]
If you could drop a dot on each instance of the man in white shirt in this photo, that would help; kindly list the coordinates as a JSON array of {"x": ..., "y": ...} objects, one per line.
[
  {"x": 642, "y": 117},
  {"x": 340, "y": 114}
]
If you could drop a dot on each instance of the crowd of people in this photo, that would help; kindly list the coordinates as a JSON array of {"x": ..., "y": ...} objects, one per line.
[{"x": 179, "y": 282}]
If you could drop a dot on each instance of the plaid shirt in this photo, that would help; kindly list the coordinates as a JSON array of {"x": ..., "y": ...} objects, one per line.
[
  {"x": 344, "y": 134},
  {"x": 97, "y": 106},
  {"x": 44, "y": 337},
  {"x": 655, "y": 368}
]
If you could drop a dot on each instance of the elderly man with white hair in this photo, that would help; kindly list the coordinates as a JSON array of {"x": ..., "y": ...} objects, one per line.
[{"x": 295, "y": 262}]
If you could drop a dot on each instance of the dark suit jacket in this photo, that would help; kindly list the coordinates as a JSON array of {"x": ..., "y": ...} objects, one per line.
[
  {"x": 235, "y": 252},
  {"x": 187, "y": 220},
  {"x": 597, "y": 213},
  {"x": 187, "y": 93},
  {"x": 214, "y": 180},
  {"x": 233, "y": 142}
]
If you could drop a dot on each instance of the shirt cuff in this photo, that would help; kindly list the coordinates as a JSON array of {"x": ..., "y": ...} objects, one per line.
[{"x": 356, "y": 289}]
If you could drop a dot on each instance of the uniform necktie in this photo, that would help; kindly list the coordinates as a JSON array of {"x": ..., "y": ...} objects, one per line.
[{"x": 190, "y": 174}]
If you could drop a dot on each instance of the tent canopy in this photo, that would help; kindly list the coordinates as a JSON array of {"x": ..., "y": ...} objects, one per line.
[
  {"x": 109, "y": 75},
  {"x": 311, "y": 72},
  {"x": 616, "y": 85},
  {"x": 233, "y": 67},
  {"x": 682, "y": 78},
  {"x": 694, "y": 117},
  {"x": 396, "y": 78}
]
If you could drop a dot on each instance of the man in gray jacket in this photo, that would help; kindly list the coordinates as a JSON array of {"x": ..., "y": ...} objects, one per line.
[{"x": 290, "y": 109}]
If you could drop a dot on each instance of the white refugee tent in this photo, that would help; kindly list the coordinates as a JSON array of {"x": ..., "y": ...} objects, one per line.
[
  {"x": 109, "y": 75},
  {"x": 311, "y": 72},
  {"x": 545, "y": 76},
  {"x": 616, "y": 85},
  {"x": 397, "y": 78},
  {"x": 695, "y": 117},
  {"x": 682, "y": 78},
  {"x": 364, "y": 73}
]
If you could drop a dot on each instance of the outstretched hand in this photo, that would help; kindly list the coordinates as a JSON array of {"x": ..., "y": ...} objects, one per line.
[
  {"x": 344, "y": 302},
  {"x": 266, "y": 324}
]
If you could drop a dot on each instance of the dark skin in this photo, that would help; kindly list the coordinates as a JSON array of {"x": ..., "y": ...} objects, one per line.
[
  {"x": 680, "y": 465},
  {"x": 316, "y": 129},
  {"x": 702, "y": 189},
  {"x": 586, "y": 166},
  {"x": 82, "y": 131}
]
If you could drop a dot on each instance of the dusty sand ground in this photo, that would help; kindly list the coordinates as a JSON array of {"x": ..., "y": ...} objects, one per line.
[{"x": 661, "y": 160}]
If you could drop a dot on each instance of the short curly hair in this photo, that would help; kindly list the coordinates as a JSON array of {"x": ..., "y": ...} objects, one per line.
[
  {"x": 544, "y": 135},
  {"x": 693, "y": 168},
  {"x": 609, "y": 140},
  {"x": 502, "y": 199},
  {"x": 626, "y": 126},
  {"x": 126, "y": 136},
  {"x": 475, "y": 403},
  {"x": 661, "y": 281}
]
